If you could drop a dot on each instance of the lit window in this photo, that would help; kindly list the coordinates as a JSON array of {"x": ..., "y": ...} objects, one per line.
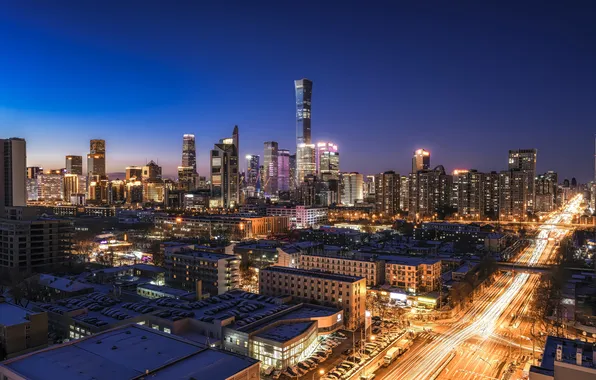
[
  {"x": 167, "y": 330},
  {"x": 237, "y": 342}
]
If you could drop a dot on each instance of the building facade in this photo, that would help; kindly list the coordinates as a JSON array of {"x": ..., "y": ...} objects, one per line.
[
  {"x": 74, "y": 164},
  {"x": 305, "y": 150},
  {"x": 421, "y": 160},
  {"x": 283, "y": 170},
  {"x": 271, "y": 166},
  {"x": 413, "y": 274},
  {"x": 327, "y": 161},
  {"x": 371, "y": 270},
  {"x": 13, "y": 173},
  {"x": 525, "y": 160},
  {"x": 387, "y": 193},
  {"x": 225, "y": 174},
  {"x": 351, "y": 188}
]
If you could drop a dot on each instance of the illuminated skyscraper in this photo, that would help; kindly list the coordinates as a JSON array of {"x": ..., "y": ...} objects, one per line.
[
  {"x": 13, "y": 170},
  {"x": 96, "y": 159},
  {"x": 525, "y": 160},
  {"x": 225, "y": 187},
  {"x": 387, "y": 192},
  {"x": 270, "y": 163},
  {"x": 327, "y": 161},
  {"x": 189, "y": 151},
  {"x": 252, "y": 174},
  {"x": 351, "y": 188},
  {"x": 74, "y": 165},
  {"x": 283, "y": 170},
  {"x": 421, "y": 160},
  {"x": 133, "y": 172},
  {"x": 305, "y": 155}
]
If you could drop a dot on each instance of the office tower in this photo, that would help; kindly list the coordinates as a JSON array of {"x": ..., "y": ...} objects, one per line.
[
  {"x": 225, "y": 189},
  {"x": 546, "y": 191},
  {"x": 293, "y": 172},
  {"x": 327, "y": 161},
  {"x": 525, "y": 160},
  {"x": 13, "y": 171},
  {"x": 33, "y": 186},
  {"x": 52, "y": 185},
  {"x": 271, "y": 166},
  {"x": 283, "y": 170},
  {"x": 421, "y": 160},
  {"x": 305, "y": 155},
  {"x": 71, "y": 186},
  {"x": 429, "y": 193},
  {"x": 189, "y": 151},
  {"x": 134, "y": 191},
  {"x": 186, "y": 178},
  {"x": 368, "y": 189},
  {"x": 74, "y": 165},
  {"x": 151, "y": 171},
  {"x": 252, "y": 175},
  {"x": 96, "y": 159},
  {"x": 117, "y": 192},
  {"x": 134, "y": 172},
  {"x": 513, "y": 194},
  {"x": 387, "y": 186},
  {"x": 491, "y": 195},
  {"x": 404, "y": 193},
  {"x": 468, "y": 189},
  {"x": 352, "y": 188},
  {"x": 99, "y": 190}
]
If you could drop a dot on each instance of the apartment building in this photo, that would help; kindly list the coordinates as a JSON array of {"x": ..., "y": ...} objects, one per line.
[
  {"x": 371, "y": 270},
  {"x": 345, "y": 292},
  {"x": 301, "y": 216},
  {"x": 185, "y": 266},
  {"x": 415, "y": 275},
  {"x": 21, "y": 330}
]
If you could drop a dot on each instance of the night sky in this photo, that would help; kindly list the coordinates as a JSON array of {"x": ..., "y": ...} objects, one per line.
[{"x": 464, "y": 79}]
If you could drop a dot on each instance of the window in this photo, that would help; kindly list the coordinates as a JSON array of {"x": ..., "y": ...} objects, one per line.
[
  {"x": 237, "y": 342},
  {"x": 167, "y": 330}
]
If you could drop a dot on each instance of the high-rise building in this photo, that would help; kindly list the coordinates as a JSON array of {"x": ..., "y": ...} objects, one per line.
[
  {"x": 186, "y": 178},
  {"x": 468, "y": 189},
  {"x": 327, "y": 161},
  {"x": 546, "y": 191},
  {"x": 387, "y": 186},
  {"x": 491, "y": 195},
  {"x": 189, "y": 151},
  {"x": 134, "y": 172},
  {"x": 151, "y": 171},
  {"x": 13, "y": 172},
  {"x": 271, "y": 165},
  {"x": 283, "y": 170},
  {"x": 513, "y": 194},
  {"x": 293, "y": 172},
  {"x": 96, "y": 159},
  {"x": 421, "y": 160},
  {"x": 351, "y": 188},
  {"x": 74, "y": 165},
  {"x": 117, "y": 191},
  {"x": 429, "y": 192},
  {"x": 404, "y": 193},
  {"x": 33, "y": 183},
  {"x": 305, "y": 155},
  {"x": 225, "y": 187},
  {"x": 71, "y": 185},
  {"x": 525, "y": 160},
  {"x": 252, "y": 176}
]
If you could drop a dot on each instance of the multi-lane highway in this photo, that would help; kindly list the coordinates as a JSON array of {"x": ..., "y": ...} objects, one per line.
[{"x": 473, "y": 347}]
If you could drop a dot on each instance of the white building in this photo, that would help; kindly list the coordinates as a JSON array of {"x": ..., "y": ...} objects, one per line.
[
  {"x": 352, "y": 188},
  {"x": 301, "y": 216}
]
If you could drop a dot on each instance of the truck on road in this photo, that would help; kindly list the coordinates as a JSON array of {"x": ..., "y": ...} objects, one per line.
[{"x": 390, "y": 356}]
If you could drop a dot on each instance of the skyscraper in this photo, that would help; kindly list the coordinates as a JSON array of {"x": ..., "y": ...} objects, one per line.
[
  {"x": 252, "y": 174},
  {"x": 305, "y": 155},
  {"x": 189, "y": 151},
  {"x": 271, "y": 165},
  {"x": 283, "y": 170},
  {"x": 421, "y": 160},
  {"x": 13, "y": 172},
  {"x": 525, "y": 160},
  {"x": 351, "y": 188},
  {"x": 513, "y": 194},
  {"x": 327, "y": 160},
  {"x": 225, "y": 188},
  {"x": 387, "y": 192},
  {"x": 468, "y": 188},
  {"x": 96, "y": 159},
  {"x": 74, "y": 165}
]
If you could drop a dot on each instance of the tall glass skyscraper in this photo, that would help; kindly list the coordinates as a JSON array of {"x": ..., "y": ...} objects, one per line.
[
  {"x": 252, "y": 174},
  {"x": 305, "y": 155},
  {"x": 327, "y": 161},
  {"x": 270, "y": 163},
  {"x": 283, "y": 171}
]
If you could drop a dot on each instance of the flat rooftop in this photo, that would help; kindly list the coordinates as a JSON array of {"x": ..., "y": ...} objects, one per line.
[
  {"x": 63, "y": 284},
  {"x": 284, "y": 332},
  {"x": 569, "y": 347},
  {"x": 312, "y": 273},
  {"x": 126, "y": 353},
  {"x": 11, "y": 314},
  {"x": 408, "y": 260},
  {"x": 211, "y": 256},
  {"x": 297, "y": 313},
  {"x": 165, "y": 289}
]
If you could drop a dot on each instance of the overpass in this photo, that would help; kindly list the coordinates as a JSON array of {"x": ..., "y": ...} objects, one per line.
[{"x": 541, "y": 269}]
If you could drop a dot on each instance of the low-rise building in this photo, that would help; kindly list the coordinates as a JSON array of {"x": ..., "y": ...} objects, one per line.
[
  {"x": 155, "y": 291},
  {"x": 235, "y": 227},
  {"x": 21, "y": 330},
  {"x": 131, "y": 352},
  {"x": 564, "y": 359},
  {"x": 185, "y": 266},
  {"x": 345, "y": 292},
  {"x": 301, "y": 216},
  {"x": 372, "y": 270},
  {"x": 54, "y": 287},
  {"x": 415, "y": 275}
]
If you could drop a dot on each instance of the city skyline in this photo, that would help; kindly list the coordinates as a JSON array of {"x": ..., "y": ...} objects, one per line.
[{"x": 468, "y": 111}]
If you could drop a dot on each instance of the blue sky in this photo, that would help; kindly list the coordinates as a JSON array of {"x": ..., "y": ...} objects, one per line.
[{"x": 468, "y": 81}]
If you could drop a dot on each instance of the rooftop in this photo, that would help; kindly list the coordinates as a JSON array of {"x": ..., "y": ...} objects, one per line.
[
  {"x": 408, "y": 260},
  {"x": 211, "y": 256},
  {"x": 11, "y": 314},
  {"x": 165, "y": 289},
  {"x": 149, "y": 268},
  {"x": 312, "y": 273},
  {"x": 125, "y": 353},
  {"x": 569, "y": 349},
  {"x": 62, "y": 284},
  {"x": 284, "y": 332},
  {"x": 298, "y": 313}
]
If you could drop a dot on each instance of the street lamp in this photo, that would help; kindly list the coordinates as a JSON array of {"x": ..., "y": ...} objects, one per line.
[{"x": 321, "y": 373}]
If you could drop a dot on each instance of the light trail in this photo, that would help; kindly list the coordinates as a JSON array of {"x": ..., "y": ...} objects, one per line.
[{"x": 482, "y": 319}]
